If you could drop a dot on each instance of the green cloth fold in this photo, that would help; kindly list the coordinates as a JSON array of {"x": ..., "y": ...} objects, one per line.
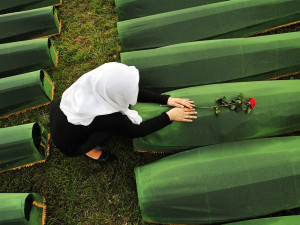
[
  {"x": 216, "y": 61},
  {"x": 282, "y": 220},
  {"x": 27, "y": 56},
  {"x": 277, "y": 111},
  {"x": 129, "y": 9},
  {"x": 21, "y": 209},
  {"x": 222, "y": 183},
  {"x": 29, "y": 24},
  {"x": 25, "y": 91},
  {"x": 229, "y": 19},
  {"x": 20, "y": 5},
  {"x": 23, "y": 145}
]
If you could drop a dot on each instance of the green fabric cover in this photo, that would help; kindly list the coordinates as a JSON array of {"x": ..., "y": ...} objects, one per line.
[
  {"x": 9, "y": 6},
  {"x": 207, "y": 62},
  {"x": 17, "y": 209},
  {"x": 129, "y": 9},
  {"x": 228, "y": 19},
  {"x": 26, "y": 56},
  {"x": 222, "y": 183},
  {"x": 21, "y": 145},
  {"x": 277, "y": 111},
  {"x": 24, "y": 91},
  {"x": 29, "y": 24},
  {"x": 283, "y": 220}
]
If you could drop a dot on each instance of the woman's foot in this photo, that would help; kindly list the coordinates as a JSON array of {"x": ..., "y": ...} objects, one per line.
[
  {"x": 94, "y": 154},
  {"x": 98, "y": 156}
]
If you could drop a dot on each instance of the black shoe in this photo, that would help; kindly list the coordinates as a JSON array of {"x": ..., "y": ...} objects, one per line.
[{"x": 105, "y": 157}]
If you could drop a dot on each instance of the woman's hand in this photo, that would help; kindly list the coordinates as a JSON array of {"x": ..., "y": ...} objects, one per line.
[
  {"x": 180, "y": 102},
  {"x": 182, "y": 114}
]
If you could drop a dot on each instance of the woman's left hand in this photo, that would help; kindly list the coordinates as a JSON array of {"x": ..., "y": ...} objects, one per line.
[{"x": 180, "y": 102}]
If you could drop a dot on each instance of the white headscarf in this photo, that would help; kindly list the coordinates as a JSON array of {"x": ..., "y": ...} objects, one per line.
[{"x": 107, "y": 89}]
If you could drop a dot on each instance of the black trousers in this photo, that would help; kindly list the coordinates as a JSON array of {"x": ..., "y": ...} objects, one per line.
[
  {"x": 75, "y": 140},
  {"x": 99, "y": 138}
]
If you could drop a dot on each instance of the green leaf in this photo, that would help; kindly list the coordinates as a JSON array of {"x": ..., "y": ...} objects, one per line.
[
  {"x": 225, "y": 103},
  {"x": 244, "y": 106},
  {"x": 238, "y": 108},
  {"x": 249, "y": 110},
  {"x": 241, "y": 96},
  {"x": 232, "y": 107},
  {"x": 221, "y": 100},
  {"x": 217, "y": 110}
]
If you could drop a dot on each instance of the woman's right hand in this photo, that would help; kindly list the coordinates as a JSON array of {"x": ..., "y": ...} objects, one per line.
[{"x": 182, "y": 114}]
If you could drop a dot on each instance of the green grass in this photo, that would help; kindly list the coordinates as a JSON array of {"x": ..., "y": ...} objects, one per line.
[{"x": 78, "y": 192}]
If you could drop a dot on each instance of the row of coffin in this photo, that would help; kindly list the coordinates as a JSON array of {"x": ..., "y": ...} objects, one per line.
[
  {"x": 30, "y": 208},
  {"x": 196, "y": 45},
  {"x": 19, "y": 54},
  {"x": 158, "y": 23},
  {"x": 226, "y": 171},
  {"x": 22, "y": 60},
  {"x": 162, "y": 69},
  {"x": 212, "y": 184},
  {"x": 24, "y": 85}
]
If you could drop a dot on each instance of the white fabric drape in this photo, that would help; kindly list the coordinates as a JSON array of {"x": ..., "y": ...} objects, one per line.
[{"x": 107, "y": 89}]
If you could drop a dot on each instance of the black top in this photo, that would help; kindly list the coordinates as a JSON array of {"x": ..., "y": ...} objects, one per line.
[{"x": 78, "y": 139}]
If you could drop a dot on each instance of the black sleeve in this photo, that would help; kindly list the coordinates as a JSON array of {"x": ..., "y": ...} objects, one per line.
[
  {"x": 122, "y": 125},
  {"x": 150, "y": 96},
  {"x": 129, "y": 129}
]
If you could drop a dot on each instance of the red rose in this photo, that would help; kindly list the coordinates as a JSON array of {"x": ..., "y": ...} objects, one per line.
[{"x": 251, "y": 102}]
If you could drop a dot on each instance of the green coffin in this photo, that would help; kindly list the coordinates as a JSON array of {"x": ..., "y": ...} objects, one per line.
[
  {"x": 25, "y": 91},
  {"x": 277, "y": 111},
  {"x": 216, "y": 61},
  {"x": 222, "y": 183},
  {"x": 22, "y": 146},
  {"x": 129, "y": 9},
  {"x": 20, "y": 5},
  {"x": 27, "y": 56},
  {"x": 29, "y": 24},
  {"x": 283, "y": 220},
  {"x": 227, "y": 19},
  {"x": 22, "y": 209}
]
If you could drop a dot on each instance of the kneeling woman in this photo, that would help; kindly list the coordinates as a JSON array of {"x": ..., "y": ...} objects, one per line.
[{"x": 95, "y": 108}]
